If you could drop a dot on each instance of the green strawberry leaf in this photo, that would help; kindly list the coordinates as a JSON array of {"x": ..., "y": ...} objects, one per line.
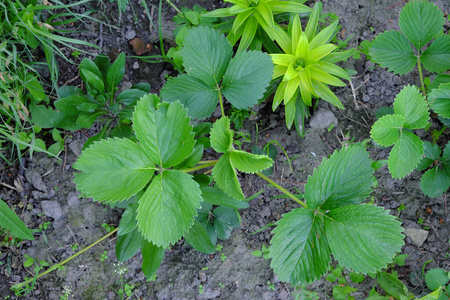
[
  {"x": 439, "y": 100},
  {"x": 300, "y": 250},
  {"x": 247, "y": 78},
  {"x": 436, "y": 278},
  {"x": 392, "y": 50},
  {"x": 431, "y": 152},
  {"x": 225, "y": 176},
  {"x": 199, "y": 239},
  {"x": 363, "y": 238},
  {"x": 412, "y": 105},
  {"x": 128, "y": 244},
  {"x": 198, "y": 97},
  {"x": 206, "y": 54},
  {"x": 168, "y": 207},
  {"x": 222, "y": 135},
  {"x": 434, "y": 182},
  {"x": 10, "y": 221},
  {"x": 152, "y": 257},
  {"x": 165, "y": 132},
  {"x": 121, "y": 169},
  {"x": 420, "y": 21},
  {"x": 386, "y": 131},
  {"x": 437, "y": 56},
  {"x": 225, "y": 219},
  {"x": 215, "y": 196},
  {"x": 345, "y": 178},
  {"x": 405, "y": 155},
  {"x": 248, "y": 162}
]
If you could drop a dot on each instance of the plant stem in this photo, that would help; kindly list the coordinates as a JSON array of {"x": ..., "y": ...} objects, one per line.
[
  {"x": 174, "y": 7},
  {"x": 54, "y": 267},
  {"x": 285, "y": 191},
  {"x": 221, "y": 103},
  {"x": 419, "y": 66},
  {"x": 199, "y": 167},
  {"x": 207, "y": 161}
]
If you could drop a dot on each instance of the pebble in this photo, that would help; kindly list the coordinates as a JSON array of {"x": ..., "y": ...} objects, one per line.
[
  {"x": 33, "y": 176},
  {"x": 417, "y": 236},
  {"x": 130, "y": 34},
  {"x": 76, "y": 146},
  {"x": 72, "y": 199},
  {"x": 202, "y": 276},
  {"x": 322, "y": 119},
  {"x": 52, "y": 209},
  {"x": 136, "y": 65}
]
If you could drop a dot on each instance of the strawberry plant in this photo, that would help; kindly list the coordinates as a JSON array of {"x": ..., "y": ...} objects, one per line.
[
  {"x": 212, "y": 72},
  {"x": 400, "y": 51},
  {"x": 411, "y": 112}
]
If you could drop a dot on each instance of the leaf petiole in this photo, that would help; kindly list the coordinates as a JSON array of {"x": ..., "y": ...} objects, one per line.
[
  {"x": 199, "y": 167},
  {"x": 285, "y": 191}
]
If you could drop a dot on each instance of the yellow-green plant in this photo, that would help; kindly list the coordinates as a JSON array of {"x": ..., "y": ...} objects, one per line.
[
  {"x": 251, "y": 14},
  {"x": 307, "y": 65}
]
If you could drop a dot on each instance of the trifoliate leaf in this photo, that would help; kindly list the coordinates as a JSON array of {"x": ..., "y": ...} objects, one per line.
[
  {"x": 405, "y": 155},
  {"x": 121, "y": 169},
  {"x": 247, "y": 78},
  {"x": 436, "y": 278},
  {"x": 363, "y": 238},
  {"x": 215, "y": 196},
  {"x": 300, "y": 250},
  {"x": 434, "y": 182},
  {"x": 168, "y": 207},
  {"x": 250, "y": 163},
  {"x": 439, "y": 100},
  {"x": 199, "y": 239},
  {"x": 225, "y": 176},
  {"x": 206, "y": 54},
  {"x": 392, "y": 50},
  {"x": 420, "y": 21},
  {"x": 222, "y": 135},
  {"x": 386, "y": 130},
  {"x": 343, "y": 179},
  {"x": 164, "y": 132},
  {"x": 437, "y": 56},
  {"x": 411, "y": 105},
  {"x": 199, "y": 98}
]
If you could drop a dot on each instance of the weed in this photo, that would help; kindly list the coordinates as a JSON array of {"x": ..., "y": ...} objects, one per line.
[
  {"x": 200, "y": 289},
  {"x": 66, "y": 293},
  {"x": 270, "y": 286},
  {"x": 104, "y": 256},
  {"x": 223, "y": 257}
]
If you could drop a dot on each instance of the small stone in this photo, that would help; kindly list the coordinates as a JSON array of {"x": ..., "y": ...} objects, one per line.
[
  {"x": 33, "y": 176},
  {"x": 136, "y": 65},
  {"x": 418, "y": 236},
  {"x": 76, "y": 146},
  {"x": 130, "y": 34},
  {"x": 283, "y": 295},
  {"x": 322, "y": 119},
  {"x": 265, "y": 212},
  {"x": 52, "y": 209},
  {"x": 72, "y": 199},
  {"x": 202, "y": 276}
]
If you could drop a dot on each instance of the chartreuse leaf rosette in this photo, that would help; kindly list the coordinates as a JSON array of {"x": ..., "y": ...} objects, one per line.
[
  {"x": 254, "y": 14},
  {"x": 224, "y": 172},
  {"x": 411, "y": 112},
  {"x": 307, "y": 65},
  {"x": 361, "y": 237}
]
